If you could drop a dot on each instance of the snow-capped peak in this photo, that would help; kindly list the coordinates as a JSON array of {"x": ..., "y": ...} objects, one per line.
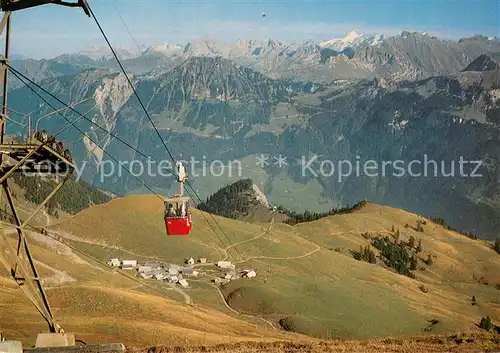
[
  {"x": 341, "y": 43},
  {"x": 101, "y": 52},
  {"x": 166, "y": 49},
  {"x": 351, "y": 36},
  {"x": 352, "y": 39},
  {"x": 96, "y": 52}
]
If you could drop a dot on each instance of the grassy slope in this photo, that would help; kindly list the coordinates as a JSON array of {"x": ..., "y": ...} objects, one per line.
[
  {"x": 458, "y": 264},
  {"x": 101, "y": 306},
  {"x": 318, "y": 291},
  {"x": 98, "y": 304},
  {"x": 467, "y": 343}
]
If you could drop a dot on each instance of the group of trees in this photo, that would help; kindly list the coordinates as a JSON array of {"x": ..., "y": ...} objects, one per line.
[
  {"x": 73, "y": 196},
  {"x": 488, "y": 325},
  {"x": 442, "y": 222},
  {"x": 365, "y": 254},
  {"x": 231, "y": 201},
  {"x": 397, "y": 255},
  {"x": 496, "y": 245},
  {"x": 295, "y": 217}
]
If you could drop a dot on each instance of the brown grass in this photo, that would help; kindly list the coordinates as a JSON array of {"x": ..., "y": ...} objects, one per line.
[
  {"x": 457, "y": 343},
  {"x": 104, "y": 307}
]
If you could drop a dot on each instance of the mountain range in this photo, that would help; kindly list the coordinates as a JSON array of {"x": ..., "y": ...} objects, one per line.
[
  {"x": 407, "y": 97},
  {"x": 407, "y": 56}
]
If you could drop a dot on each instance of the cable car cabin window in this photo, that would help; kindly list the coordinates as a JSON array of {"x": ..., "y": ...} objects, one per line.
[
  {"x": 176, "y": 209},
  {"x": 178, "y": 217}
]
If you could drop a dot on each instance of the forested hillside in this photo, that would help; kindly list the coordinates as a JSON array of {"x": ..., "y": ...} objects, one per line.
[
  {"x": 231, "y": 201},
  {"x": 299, "y": 217},
  {"x": 73, "y": 196}
]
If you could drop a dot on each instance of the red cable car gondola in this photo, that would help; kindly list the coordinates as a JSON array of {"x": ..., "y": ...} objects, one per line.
[{"x": 177, "y": 213}]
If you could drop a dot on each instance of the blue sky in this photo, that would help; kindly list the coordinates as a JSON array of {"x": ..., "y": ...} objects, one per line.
[{"x": 50, "y": 30}]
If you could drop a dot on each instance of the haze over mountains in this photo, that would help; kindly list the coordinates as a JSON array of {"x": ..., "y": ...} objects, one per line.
[
  {"x": 410, "y": 55},
  {"x": 407, "y": 97}
]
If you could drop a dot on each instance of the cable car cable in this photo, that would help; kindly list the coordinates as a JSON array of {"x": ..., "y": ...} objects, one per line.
[
  {"x": 239, "y": 253},
  {"x": 71, "y": 124},
  {"x": 19, "y": 75},
  {"x": 22, "y": 77},
  {"x": 84, "y": 134},
  {"x": 89, "y": 256},
  {"x": 71, "y": 247},
  {"x": 130, "y": 82},
  {"x": 142, "y": 105},
  {"x": 236, "y": 249},
  {"x": 128, "y": 29}
]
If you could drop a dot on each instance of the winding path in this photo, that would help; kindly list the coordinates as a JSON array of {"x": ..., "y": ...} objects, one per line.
[
  {"x": 226, "y": 304},
  {"x": 187, "y": 298},
  {"x": 318, "y": 248},
  {"x": 266, "y": 231}
]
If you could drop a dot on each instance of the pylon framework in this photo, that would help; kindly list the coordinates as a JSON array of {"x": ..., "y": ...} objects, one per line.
[{"x": 37, "y": 155}]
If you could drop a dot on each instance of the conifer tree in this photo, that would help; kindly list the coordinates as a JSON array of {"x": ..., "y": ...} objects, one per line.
[
  {"x": 418, "y": 249},
  {"x": 411, "y": 242}
]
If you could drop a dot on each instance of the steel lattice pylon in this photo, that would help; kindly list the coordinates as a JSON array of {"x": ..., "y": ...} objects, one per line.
[{"x": 32, "y": 156}]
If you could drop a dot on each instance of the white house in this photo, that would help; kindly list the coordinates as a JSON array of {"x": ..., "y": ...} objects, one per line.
[
  {"x": 225, "y": 264},
  {"x": 184, "y": 283},
  {"x": 129, "y": 263},
  {"x": 220, "y": 280},
  {"x": 142, "y": 269},
  {"x": 190, "y": 261},
  {"x": 153, "y": 264},
  {"x": 250, "y": 273},
  {"x": 114, "y": 263},
  {"x": 160, "y": 276}
]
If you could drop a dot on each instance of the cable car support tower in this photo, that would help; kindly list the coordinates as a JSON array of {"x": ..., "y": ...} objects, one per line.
[{"x": 39, "y": 155}]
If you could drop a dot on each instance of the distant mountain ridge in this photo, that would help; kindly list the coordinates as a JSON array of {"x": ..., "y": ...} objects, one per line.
[
  {"x": 484, "y": 63},
  {"x": 407, "y": 56},
  {"x": 103, "y": 53}
]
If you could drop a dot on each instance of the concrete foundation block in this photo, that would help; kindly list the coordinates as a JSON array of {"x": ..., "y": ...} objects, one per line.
[
  {"x": 11, "y": 347},
  {"x": 99, "y": 348},
  {"x": 55, "y": 340}
]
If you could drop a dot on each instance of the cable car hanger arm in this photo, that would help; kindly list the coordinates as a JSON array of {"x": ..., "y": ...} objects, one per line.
[{"x": 13, "y": 5}]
